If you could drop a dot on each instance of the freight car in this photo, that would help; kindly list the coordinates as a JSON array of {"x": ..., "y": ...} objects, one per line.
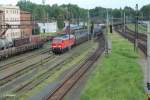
[
  {"x": 21, "y": 41},
  {"x": 34, "y": 42},
  {"x": 4, "y": 43},
  {"x": 59, "y": 44}
]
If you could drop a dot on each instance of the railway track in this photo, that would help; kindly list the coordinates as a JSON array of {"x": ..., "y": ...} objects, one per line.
[
  {"x": 130, "y": 35},
  {"x": 13, "y": 76},
  {"x": 65, "y": 86},
  {"x": 141, "y": 36},
  {"x": 11, "y": 64},
  {"x": 45, "y": 75},
  {"x": 46, "y": 70},
  {"x": 57, "y": 64}
]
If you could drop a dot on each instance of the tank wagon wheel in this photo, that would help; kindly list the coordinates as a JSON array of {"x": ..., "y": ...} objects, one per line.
[
  {"x": 50, "y": 51},
  {"x": 0, "y": 57},
  {"x": 6, "y": 56}
]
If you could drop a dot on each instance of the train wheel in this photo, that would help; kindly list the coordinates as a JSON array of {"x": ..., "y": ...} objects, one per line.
[
  {"x": 6, "y": 56},
  {"x": 50, "y": 51}
]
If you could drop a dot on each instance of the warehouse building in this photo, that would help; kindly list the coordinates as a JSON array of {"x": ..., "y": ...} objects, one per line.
[
  {"x": 26, "y": 26},
  {"x": 47, "y": 27},
  {"x": 1, "y": 21},
  {"x": 11, "y": 15}
]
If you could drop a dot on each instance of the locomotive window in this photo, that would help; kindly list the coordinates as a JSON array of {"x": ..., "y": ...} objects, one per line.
[
  {"x": 57, "y": 40},
  {"x": 66, "y": 36}
]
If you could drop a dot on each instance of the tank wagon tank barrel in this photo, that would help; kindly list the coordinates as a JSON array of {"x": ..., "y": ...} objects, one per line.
[{"x": 20, "y": 46}]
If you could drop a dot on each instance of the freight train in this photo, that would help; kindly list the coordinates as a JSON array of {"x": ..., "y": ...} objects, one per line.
[
  {"x": 65, "y": 41},
  {"x": 20, "y": 45},
  {"x": 5, "y": 43}
]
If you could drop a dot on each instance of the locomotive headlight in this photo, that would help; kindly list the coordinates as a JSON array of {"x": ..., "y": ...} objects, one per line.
[
  {"x": 59, "y": 46},
  {"x": 53, "y": 45}
]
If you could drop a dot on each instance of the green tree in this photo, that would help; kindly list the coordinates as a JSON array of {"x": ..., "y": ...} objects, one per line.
[
  {"x": 145, "y": 10},
  {"x": 54, "y": 12}
]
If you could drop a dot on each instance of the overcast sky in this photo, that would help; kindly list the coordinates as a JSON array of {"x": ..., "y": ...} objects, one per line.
[{"x": 89, "y": 3}]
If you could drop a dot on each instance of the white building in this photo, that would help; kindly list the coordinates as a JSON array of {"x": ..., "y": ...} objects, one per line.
[
  {"x": 47, "y": 27},
  {"x": 1, "y": 18},
  {"x": 11, "y": 16}
]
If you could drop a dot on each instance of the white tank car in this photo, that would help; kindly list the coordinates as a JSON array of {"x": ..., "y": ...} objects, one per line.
[{"x": 5, "y": 43}]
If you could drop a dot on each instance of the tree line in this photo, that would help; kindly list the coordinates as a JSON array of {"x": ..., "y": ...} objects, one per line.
[
  {"x": 70, "y": 11},
  {"x": 143, "y": 13},
  {"x": 54, "y": 12}
]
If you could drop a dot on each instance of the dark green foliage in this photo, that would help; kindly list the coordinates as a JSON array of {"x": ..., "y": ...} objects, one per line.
[
  {"x": 145, "y": 10},
  {"x": 66, "y": 11},
  {"x": 129, "y": 11},
  {"x": 116, "y": 13},
  {"x": 36, "y": 31},
  {"x": 60, "y": 23},
  {"x": 54, "y": 12}
]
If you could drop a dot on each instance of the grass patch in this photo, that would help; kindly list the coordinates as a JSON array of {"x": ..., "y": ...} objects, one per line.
[{"x": 117, "y": 77}]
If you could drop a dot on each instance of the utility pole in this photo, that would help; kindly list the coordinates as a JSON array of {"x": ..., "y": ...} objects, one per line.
[
  {"x": 112, "y": 22},
  {"x": 136, "y": 30},
  {"x": 106, "y": 36},
  {"x": 69, "y": 19},
  {"x": 92, "y": 31},
  {"x": 78, "y": 21},
  {"x": 124, "y": 22},
  {"x": 88, "y": 25},
  {"x": 142, "y": 18},
  {"x": 43, "y": 2},
  {"x": 47, "y": 18},
  {"x": 148, "y": 60},
  {"x": 34, "y": 24}
]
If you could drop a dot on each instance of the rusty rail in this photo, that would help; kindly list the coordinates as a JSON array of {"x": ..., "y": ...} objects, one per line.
[{"x": 65, "y": 86}]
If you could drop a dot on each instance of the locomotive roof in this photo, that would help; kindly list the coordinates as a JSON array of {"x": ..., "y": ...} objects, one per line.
[{"x": 63, "y": 37}]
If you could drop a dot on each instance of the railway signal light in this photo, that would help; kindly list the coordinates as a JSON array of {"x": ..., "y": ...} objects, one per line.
[{"x": 111, "y": 31}]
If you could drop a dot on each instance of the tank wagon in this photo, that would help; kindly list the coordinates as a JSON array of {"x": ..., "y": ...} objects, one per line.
[
  {"x": 20, "y": 45},
  {"x": 4, "y": 44}
]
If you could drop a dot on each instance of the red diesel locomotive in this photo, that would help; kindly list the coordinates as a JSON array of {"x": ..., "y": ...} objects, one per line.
[{"x": 62, "y": 43}]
